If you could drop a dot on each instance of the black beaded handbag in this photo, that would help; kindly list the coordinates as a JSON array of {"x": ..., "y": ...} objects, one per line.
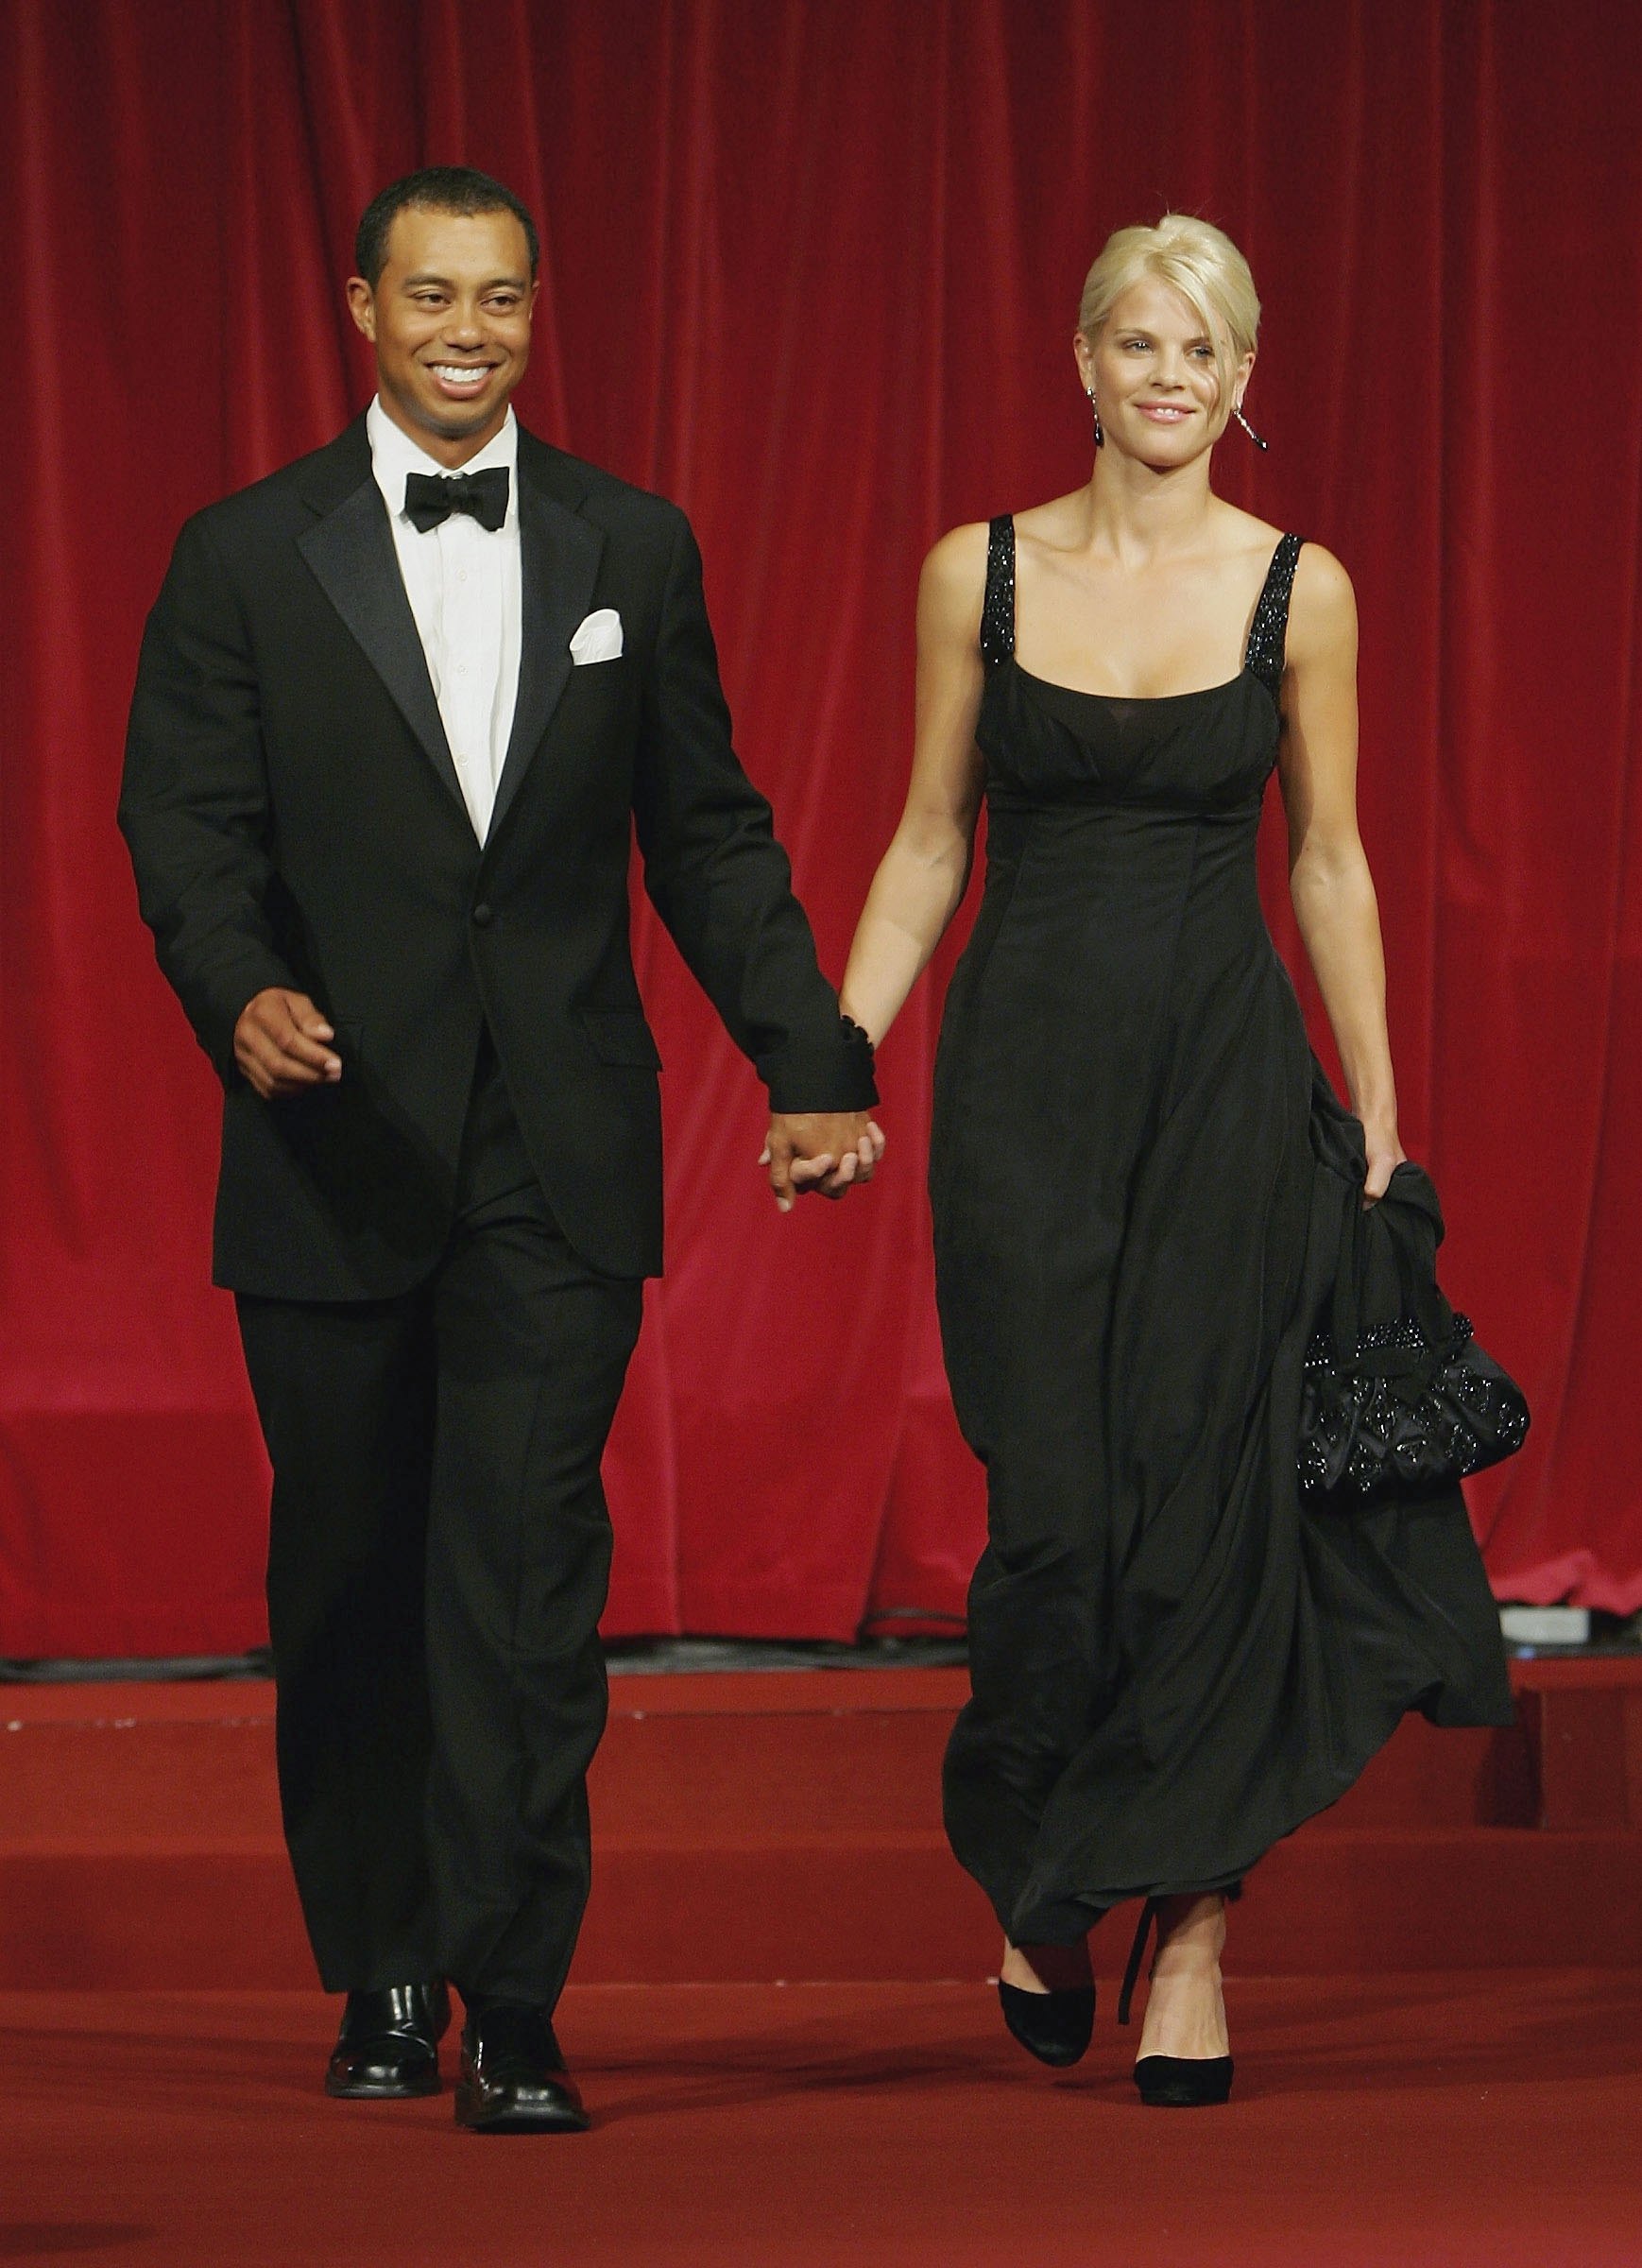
[{"x": 1396, "y": 1391}]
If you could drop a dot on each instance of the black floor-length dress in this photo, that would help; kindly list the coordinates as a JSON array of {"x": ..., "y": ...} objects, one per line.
[{"x": 1141, "y": 1179}]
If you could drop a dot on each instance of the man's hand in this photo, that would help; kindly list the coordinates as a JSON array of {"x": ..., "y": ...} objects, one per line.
[
  {"x": 281, "y": 1043},
  {"x": 819, "y": 1151}
]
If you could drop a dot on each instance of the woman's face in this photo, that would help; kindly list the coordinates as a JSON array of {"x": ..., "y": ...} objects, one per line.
[{"x": 1153, "y": 370}]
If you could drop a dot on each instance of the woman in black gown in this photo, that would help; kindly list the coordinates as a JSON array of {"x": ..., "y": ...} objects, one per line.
[{"x": 1177, "y": 1657}]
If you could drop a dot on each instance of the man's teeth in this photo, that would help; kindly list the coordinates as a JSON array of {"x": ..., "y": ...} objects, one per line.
[{"x": 461, "y": 373}]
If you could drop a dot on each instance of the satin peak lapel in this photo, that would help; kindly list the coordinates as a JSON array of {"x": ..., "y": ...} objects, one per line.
[
  {"x": 351, "y": 555},
  {"x": 559, "y": 553}
]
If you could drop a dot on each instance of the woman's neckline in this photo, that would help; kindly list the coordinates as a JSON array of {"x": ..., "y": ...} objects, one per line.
[{"x": 1131, "y": 700}]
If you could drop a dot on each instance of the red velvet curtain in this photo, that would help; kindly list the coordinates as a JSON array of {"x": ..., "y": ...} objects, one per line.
[{"x": 810, "y": 267}]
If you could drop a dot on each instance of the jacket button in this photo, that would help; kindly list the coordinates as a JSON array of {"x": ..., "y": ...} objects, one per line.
[{"x": 483, "y": 917}]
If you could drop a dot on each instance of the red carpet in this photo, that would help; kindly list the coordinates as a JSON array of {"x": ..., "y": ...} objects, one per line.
[
  {"x": 1474, "y": 2121},
  {"x": 1436, "y": 2010}
]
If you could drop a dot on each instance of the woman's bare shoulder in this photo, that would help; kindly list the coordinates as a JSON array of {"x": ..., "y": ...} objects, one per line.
[
  {"x": 1322, "y": 606},
  {"x": 960, "y": 555},
  {"x": 1324, "y": 578},
  {"x": 953, "y": 581}
]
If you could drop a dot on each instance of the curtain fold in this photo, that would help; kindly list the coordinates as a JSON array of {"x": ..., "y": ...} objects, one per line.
[{"x": 810, "y": 267}]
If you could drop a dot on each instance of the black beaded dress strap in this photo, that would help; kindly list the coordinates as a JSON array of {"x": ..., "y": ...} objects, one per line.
[
  {"x": 997, "y": 607},
  {"x": 1269, "y": 632}
]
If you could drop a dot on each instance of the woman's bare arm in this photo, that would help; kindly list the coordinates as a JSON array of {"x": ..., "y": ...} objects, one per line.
[
  {"x": 1328, "y": 876},
  {"x": 921, "y": 878}
]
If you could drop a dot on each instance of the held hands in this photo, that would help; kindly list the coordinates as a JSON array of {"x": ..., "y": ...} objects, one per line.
[
  {"x": 282, "y": 1041},
  {"x": 819, "y": 1151}
]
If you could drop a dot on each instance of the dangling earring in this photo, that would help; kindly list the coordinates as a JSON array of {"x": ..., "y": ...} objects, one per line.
[
  {"x": 1100, "y": 436},
  {"x": 1238, "y": 413}
]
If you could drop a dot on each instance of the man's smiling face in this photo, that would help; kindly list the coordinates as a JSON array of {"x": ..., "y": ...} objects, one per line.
[{"x": 450, "y": 320}]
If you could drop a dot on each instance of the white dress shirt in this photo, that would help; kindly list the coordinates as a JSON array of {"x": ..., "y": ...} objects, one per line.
[{"x": 465, "y": 585}]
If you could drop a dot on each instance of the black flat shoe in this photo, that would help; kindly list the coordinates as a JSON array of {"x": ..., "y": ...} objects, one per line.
[
  {"x": 1184, "y": 2082},
  {"x": 1171, "y": 2082},
  {"x": 513, "y": 2076},
  {"x": 387, "y": 2047},
  {"x": 1053, "y": 2026}
]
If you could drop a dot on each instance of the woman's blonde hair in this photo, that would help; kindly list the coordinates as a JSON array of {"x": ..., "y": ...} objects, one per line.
[{"x": 1204, "y": 266}]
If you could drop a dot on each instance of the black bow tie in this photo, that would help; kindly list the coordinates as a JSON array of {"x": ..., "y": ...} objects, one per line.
[{"x": 430, "y": 497}]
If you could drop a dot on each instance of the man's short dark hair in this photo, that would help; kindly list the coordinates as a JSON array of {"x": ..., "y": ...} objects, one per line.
[{"x": 436, "y": 189}]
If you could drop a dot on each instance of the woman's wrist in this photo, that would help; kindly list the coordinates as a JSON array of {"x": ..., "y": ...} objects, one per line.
[
  {"x": 1374, "y": 1102},
  {"x": 1381, "y": 1145}
]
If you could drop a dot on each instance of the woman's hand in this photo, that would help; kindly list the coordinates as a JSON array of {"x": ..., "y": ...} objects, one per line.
[{"x": 1385, "y": 1154}]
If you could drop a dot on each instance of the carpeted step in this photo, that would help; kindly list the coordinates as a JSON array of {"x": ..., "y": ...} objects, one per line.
[
  {"x": 788, "y": 1825},
  {"x": 849, "y": 1904}
]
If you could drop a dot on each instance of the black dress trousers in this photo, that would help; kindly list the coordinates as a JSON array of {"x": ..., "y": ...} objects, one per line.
[{"x": 438, "y": 1561}]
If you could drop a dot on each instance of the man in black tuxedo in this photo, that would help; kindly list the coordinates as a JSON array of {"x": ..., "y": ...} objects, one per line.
[{"x": 391, "y": 734}]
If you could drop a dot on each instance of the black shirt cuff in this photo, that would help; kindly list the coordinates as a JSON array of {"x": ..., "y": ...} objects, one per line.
[{"x": 832, "y": 1073}]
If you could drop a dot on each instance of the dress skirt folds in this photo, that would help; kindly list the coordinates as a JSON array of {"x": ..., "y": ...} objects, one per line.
[{"x": 1142, "y": 1184}]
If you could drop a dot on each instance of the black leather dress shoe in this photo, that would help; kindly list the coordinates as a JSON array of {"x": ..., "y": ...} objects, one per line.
[
  {"x": 388, "y": 2046},
  {"x": 513, "y": 2076}
]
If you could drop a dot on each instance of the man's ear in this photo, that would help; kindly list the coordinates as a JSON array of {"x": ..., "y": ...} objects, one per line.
[{"x": 361, "y": 306}]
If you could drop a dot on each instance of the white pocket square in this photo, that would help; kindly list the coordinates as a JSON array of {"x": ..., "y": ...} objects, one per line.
[{"x": 599, "y": 638}]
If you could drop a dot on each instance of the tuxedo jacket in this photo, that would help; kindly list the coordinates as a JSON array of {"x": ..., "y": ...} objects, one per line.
[{"x": 293, "y": 818}]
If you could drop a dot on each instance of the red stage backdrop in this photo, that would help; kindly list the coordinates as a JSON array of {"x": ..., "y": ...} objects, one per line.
[{"x": 810, "y": 267}]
